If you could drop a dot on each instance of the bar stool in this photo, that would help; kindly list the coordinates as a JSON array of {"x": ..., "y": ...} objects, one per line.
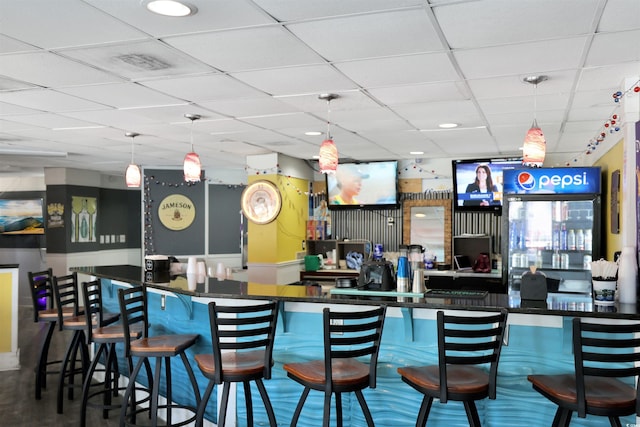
[
  {"x": 65, "y": 290},
  {"x": 249, "y": 332},
  {"x": 464, "y": 342},
  {"x": 603, "y": 355},
  {"x": 40, "y": 284},
  {"x": 347, "y": 336},
  {"x": 134, "y": 311},
  {"x": 101, "y": 330}
]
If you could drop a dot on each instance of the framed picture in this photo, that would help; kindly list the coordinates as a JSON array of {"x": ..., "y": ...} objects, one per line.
[{"x": 21, "y": 216}]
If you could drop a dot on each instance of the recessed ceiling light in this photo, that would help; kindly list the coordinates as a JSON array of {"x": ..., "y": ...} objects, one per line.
[
  {"x": 416, "y": 152},
  {"x": 313, "y": 133},
  {"x": 448, "y": 125},
  {"x": 171, "y": 8}
]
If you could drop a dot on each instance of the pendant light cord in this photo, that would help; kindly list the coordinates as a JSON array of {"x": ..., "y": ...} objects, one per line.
[{"x": 328, "y": 118}]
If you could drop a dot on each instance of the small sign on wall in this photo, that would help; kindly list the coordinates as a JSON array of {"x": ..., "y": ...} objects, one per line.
[{"x": 176, "y": 212}]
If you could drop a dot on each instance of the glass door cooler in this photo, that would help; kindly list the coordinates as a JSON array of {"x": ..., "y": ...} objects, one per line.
[{"x": 551, "y": 220}]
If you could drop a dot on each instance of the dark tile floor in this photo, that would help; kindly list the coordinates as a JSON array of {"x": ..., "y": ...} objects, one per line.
[{"x": 18, "y": 406}]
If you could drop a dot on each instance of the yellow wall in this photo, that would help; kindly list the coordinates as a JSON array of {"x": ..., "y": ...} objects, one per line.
[
  {"x": 6, "y": 288},
  {"x": 608, "y": 163},
  {"x": 281, "y": 239}
]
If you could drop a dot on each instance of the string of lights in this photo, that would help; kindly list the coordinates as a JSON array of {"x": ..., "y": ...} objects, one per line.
[{"x": 610, "y": 126}]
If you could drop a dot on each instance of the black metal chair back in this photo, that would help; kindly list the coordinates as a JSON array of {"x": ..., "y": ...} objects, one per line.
[
  {"x": 352, "y": 335},
  {"x": 470, "y": 340},
  {"x": 93, "y": 308},
  {"x": 40, "y": 284},
  {"x": 242, "y": 328},
  {"x": 65, "y": 290},
  {"x": 133, "y": 310},
  {"x": 608, "y": 351}
]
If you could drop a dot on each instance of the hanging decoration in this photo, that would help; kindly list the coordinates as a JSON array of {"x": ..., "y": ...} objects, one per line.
[
  {"x": 535, "y": 146},
  {"x": 611, "y": 124},
  {"x": 191, "y": 166},
  {"x": 414, "y": 166},
  {"x": 328, "y": 156},
  {"x": 132, "y": 175}
]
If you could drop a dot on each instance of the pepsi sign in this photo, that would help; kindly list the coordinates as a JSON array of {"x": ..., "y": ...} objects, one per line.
[{"x": 552, "y": 181}]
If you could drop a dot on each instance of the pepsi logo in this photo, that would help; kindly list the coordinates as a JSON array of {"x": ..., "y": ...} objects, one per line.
[{"x": 526, "y": 181}]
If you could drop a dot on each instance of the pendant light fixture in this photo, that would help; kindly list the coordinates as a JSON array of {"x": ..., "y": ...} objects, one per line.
[
  {"x": 191, "y": 166},
  {"x": 328, "y": 157},
  {"x": 535, "y": 146},
  {"x": 132, "y": 176}
]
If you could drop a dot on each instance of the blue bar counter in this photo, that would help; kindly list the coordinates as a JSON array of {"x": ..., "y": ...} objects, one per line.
[{"x": 538, "y": 341}]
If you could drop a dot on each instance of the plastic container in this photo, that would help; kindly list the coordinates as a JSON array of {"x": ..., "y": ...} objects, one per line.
[{"x": 627, "y": 276}]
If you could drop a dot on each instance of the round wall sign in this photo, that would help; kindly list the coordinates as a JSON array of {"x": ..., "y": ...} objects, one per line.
[
  {"x": 261, "y": 202},
  {"x": 176, "y": 212}
]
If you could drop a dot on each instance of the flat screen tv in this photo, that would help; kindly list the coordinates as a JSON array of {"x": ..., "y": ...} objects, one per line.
[
  {"x": 477, "y": 184},
  {"x": 372, "y": 185}
]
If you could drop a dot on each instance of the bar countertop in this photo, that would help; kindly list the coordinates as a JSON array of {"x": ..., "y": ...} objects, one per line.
[{"x": 558, "y": 304}]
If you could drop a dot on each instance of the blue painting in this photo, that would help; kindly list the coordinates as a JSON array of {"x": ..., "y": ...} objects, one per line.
[{"x": 21, "y": 216}]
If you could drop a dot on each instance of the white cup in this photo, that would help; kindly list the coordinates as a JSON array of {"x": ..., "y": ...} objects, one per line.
[
  {"x": 220, "y": 271},
  {"x": 191, "y": 265},
  {"x": 201, "y": 269}
]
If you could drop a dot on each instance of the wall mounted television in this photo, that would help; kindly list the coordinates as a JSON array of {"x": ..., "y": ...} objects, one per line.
[
  {"x": 469, "y": 193},
  {"x": 372, "y": 185}
]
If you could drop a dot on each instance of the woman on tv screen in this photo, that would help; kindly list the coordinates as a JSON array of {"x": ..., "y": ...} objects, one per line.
[{"x": 482, "y": 188}]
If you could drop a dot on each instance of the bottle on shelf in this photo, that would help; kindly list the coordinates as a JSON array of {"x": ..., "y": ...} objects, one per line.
[
  {"x": 571, "y": 240},
  {"x": 580, "y": 239},
  {"x": 539, "y": 258},
  {"x": 563, "y": 237},
  {"x": 555, "y": 238},
  {"x": 588, "y": 240},
  {"x": 555, "y": 260}
]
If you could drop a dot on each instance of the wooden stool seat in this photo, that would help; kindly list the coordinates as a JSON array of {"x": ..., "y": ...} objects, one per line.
[
  {"x": 241, "y": 364},
  {"x": 41, "y": 287},
  {"x": 137, "y": 343},
  {"x": 605, "y": 377},
  {"x": 347, "y": 336},
  {"x": 65, "y": 290},
  {"x": 347, "y": 373},
  {"x": 163, "y": 345},
  {"x": 242, "y": 348},
  {"x": 114, "y": 333},
  {"x": 599, "y": 392},
  {"x": 460, "y": 379},
  {"x": 468, "y": 353}
]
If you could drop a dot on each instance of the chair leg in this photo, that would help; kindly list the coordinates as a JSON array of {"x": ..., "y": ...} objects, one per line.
[
  {"x": 365, "y": 408},
  {"x": 154, "y": 392},
  {"x": 614, "y": 421},
  {"x": 248, "y": 402},
  {"x": 202, "y": 407},
  {"x": 222, "y": 417},
  {"x": 128, "y": 392},
  {"x": 192, "y": 377},
  {"x": 267, "y": 403},
  {"x": 425, "y": 408},
  {"x": 167, "y": 373},
  {"x": 87, "y": 384},
  {"x": 472, "y": 413},
  {"x": 66, "y": 369},
  {"x": 41, "y": 366},
  {"x": 296, "y": 414},
  {"x": 326, "y": 416},
  {"x": 562, "y": 418},
  {"x": 338, "y": 409}
]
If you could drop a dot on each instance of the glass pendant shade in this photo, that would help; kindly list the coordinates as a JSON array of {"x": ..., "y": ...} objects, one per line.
[
  {"x": 133, "y": 176},
  {"x": 534, "y": 147},
  {"x": 328, "y": 157},
  {"x": 191, "y": 167}
]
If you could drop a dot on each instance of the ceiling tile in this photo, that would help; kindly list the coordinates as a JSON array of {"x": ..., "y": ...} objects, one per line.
[
  {"x": 401, "y": 70},
  {"x": 227, "y": 50},
  {"x": 309, "y": 9},
  {"x": 371, "y": 35},
  {"x": 203, "y": 88},
  {"x": 48, "y": 100},
  {"x": 48, "y": 69},
  {"x": 122, "y": 95},
  {"x": 296, "y": 80}
]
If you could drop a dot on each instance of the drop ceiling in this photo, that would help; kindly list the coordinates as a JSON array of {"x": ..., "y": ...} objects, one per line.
[{"x": 76, "y": 75}]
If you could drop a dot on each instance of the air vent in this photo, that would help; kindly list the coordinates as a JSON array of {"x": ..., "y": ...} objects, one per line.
[{"x": 144, "y": 62}]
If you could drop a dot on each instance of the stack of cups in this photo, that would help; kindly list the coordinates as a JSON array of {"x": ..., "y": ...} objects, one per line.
[{"x": 403, "y": 274}]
